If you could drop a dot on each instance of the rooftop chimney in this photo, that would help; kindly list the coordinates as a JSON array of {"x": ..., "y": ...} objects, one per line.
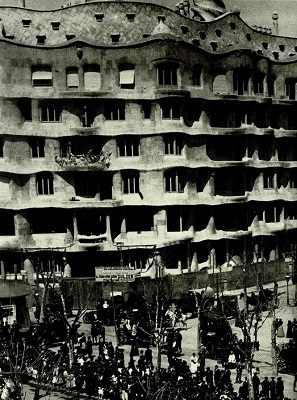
[{"x": 275, "y": 23}]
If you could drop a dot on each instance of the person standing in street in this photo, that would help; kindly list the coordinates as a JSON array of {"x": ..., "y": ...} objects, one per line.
[
  {"x": 256, "y": 384},
  {"x": 279, "y": 388},
  {"x": 272, "y": 388}
]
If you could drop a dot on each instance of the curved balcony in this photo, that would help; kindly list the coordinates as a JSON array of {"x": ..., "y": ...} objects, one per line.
[
  {"x": 90, "y": 242},
  {"x": 71, "y": 161}
]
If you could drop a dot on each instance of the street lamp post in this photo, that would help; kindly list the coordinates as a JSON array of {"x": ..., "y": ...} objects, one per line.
[{"x": 287, "y": 280}]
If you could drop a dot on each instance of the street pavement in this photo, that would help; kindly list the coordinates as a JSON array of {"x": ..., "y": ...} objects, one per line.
[{"x": 189, "y": 344}]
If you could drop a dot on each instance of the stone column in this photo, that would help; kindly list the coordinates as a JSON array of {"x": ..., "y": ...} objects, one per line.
[
  {"x": 123, "y": 228},
  {"x": 108, "y": 229},
  {"x": 75, "y": 228},
  {"x": 3, "y": 274}
]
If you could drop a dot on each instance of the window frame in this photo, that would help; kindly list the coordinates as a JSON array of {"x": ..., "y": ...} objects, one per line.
[
  {"x": 50, "y": 107},
  {"x": 173, "y": 145},
  {"x": 174, "y": 182},
  {"x": 72, "y": 72},
  {"x": 171, "y": 111},
  {"x": 128, "y": 147},
  {"x": 130, "y": 182},
  {"x": 115, "y": 111},
  {"x": 38, "y": 147},
  {"x": 167, "y": 74},
  {"x": 125, "y": 68},
  {"x": 268, "y": 180},
  {"x": 42, "y": 82},
  {"x": 45, "y": 184}
]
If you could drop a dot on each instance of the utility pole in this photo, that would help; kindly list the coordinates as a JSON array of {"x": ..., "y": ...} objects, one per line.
[{"x": 114, "y": 314}]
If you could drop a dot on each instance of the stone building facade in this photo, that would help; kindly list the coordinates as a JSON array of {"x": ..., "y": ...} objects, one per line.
[{"x": 128, "y": 127}]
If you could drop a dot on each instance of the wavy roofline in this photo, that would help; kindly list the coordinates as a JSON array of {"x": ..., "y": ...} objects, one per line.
[
  {"x": 146, "y": 41},
  {"x": 235, "y": 13}
]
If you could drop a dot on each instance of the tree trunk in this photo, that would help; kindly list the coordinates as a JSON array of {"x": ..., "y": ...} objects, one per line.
[{"x": 273, "y": 345}]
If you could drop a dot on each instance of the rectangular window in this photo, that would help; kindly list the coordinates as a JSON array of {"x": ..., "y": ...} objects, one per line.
[
  {"x": 42, "y": 77},
  {"x": 72, "y": 79},
  {"x": 50, "y": 112},
  {"x": 170, "y": 110},
  {"x": 73, "y": 146},
  {"x": 128, "y": 147},
  {"x": 172, "y": 145},
  {"x": 86, "y": 186},
  {"x": 127, "y": 78},
  {"x": 291, "y": 89},
  {"x": 92, "y": 79},
  {"x": 37, "y": 147},
  {"x": 267, "y": 180},
  {"x": 130, "y": 182},
  {"x": 259, "y": 85},
  {"x": 167, "y": 74},
  {"x": 241, "y": 83},
  {"x": 197, "y": 75},
  {"x": 45, "y": 184},
  {"x": 87, "y": 117},
  {"x": 25, "y": 106},
  {"x": 1, "y": 148},
  {"x": 174, "y": 182},
  {"x": 115, "y": 111},
  {"x": 146, "y": 109}
]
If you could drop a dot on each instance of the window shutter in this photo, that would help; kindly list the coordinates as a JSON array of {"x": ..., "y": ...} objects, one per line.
[{"x": 92, "y": 80}]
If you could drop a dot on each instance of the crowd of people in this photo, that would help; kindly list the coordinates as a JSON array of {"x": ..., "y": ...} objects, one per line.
[{"x": 92, "y": 366}]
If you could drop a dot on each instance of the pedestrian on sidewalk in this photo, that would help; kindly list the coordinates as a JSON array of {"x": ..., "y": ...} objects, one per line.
[
  {"x": 295, "y": 382},
  {"x": 256, "y": 384},
  {"x": 279, "y": 388},
  {"x": 272, "y": 384},
  {"x": 238, "y": 372}
]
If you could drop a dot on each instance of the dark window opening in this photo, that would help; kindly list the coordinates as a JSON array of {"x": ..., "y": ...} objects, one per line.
[
  {"x": 259, "y": 84},
  {"x": 41, "y": 39},
  {"x": 91, "y": 222},
  {"x": 87, "y": 117},
  {"x": 197, "y": 75},
  {"x": 226, "y": 148},
  {"x": 202, "y": 179},
  {"x": 241, "y": 82},
  {"x": 55, "y": 25},
  {"x": 167, "y": 74},
  {"x": 1, "y": 147},
  {"x": 291, "y": 89},
  {"x": 79, "y": 145},
  {"x": 146, "y": 109},
  {"x": 45, "y": 183},
  {"x": 171, "y": 110},
  {"x": 48, "y": 221},
  {"x": 172, "y": 145},
  {"x": 176, "y": 220},
  {"x": 37, "y": 147},
  {"x": 174, "y": 181},
  {"x": 224, "y": 186},
  {"x": 140, "y": 219},
  {"x": 26, "y": 109},
  {"x": 115, "y": 111},
  {"x": 128, "y": 147},
  {"x": 50, "y": 112},
  {"x": 130, "y": 181},
  {"x": 87, "y": 185},
  {"x": 26, "y": 23},
  {"x": 7, "y": 223},
  {"x": 268, "y": 178}
]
